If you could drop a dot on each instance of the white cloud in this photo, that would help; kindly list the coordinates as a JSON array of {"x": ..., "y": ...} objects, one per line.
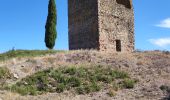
[
  {"x": 164, "y": 23},
  {"x": 162, "y": 42}
]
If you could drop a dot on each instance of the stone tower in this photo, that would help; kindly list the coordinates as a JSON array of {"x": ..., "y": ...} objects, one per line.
[{"x": 105, "y": 25}]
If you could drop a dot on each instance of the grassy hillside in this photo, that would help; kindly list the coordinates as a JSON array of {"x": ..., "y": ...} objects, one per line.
[
  {"x": 85, "y": 75},
  {"x": 25, "y": 53}
]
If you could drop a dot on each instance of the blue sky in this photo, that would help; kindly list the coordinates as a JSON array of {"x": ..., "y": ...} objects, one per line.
[{"x": 22, "y": 24}]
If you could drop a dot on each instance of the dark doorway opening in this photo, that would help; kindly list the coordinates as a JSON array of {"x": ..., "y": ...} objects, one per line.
[
  {"x": 118, "y": 45},
  {"x": 127, "y": 3}
]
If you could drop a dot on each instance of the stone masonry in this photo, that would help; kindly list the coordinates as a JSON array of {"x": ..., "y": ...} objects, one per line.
[{"x": 105, "y": 25}]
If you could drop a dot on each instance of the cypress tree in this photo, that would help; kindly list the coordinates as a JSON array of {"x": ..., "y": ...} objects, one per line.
[{"x": 50, "y": 27}]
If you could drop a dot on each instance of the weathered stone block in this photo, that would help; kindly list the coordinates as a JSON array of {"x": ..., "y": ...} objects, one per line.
[{"x": 106, "y": 25}]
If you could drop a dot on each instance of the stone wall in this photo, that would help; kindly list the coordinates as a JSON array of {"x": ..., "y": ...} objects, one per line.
[
  {"x": 116, "y": 22},
  {"x": 99, "y": 24},
  {"x": 83, "y": 24}
]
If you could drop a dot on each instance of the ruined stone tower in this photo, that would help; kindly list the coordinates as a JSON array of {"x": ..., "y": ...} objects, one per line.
[{"x": 106, "y": 25}]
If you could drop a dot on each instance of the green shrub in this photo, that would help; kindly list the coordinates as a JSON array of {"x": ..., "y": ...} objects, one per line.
[
  {"x": 80, "y": 90},
  {"x": 82, "y": 72},
  {"x": 85, "y": 89},
  {"x": 70, "y": 71},
  {"x": 119, "y": 74},
  {"x": 24, "y": 90},
  {"x": 74, "y": 82},
  {"x": 104, "y": 78},
  {"x": 95, "y": 87},
  {"x": 60, "y": 87},
  {"x": 128, "y": 83},
  {"x": 4, "y": 73},
  {"x": 82, "y": 80}
]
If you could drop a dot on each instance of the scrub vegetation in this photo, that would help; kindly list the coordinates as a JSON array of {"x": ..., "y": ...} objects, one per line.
[{"x": 82, "y": 80}]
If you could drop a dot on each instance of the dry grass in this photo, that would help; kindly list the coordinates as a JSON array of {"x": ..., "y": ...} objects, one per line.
[{"x": 150, "y": 68}]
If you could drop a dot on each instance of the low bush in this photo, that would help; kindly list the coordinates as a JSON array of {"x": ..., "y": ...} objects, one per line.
[
  {"x": 82, "y": 80},
  {"x": 4, "y": 73},
  {"x": 128, "y": 83}
]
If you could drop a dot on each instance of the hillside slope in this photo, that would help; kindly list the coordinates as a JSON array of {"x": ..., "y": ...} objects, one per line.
[{"x": 151, "y": 69}]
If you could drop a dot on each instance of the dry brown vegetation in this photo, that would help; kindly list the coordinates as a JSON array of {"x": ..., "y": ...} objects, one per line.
[{"x": 150, "y": 69}]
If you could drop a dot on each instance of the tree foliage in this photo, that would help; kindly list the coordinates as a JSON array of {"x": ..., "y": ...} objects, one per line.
[{"x": 50, "y": 32}]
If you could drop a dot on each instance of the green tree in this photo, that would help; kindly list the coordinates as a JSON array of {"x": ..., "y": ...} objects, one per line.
[{"x": 50, "y": 27}]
